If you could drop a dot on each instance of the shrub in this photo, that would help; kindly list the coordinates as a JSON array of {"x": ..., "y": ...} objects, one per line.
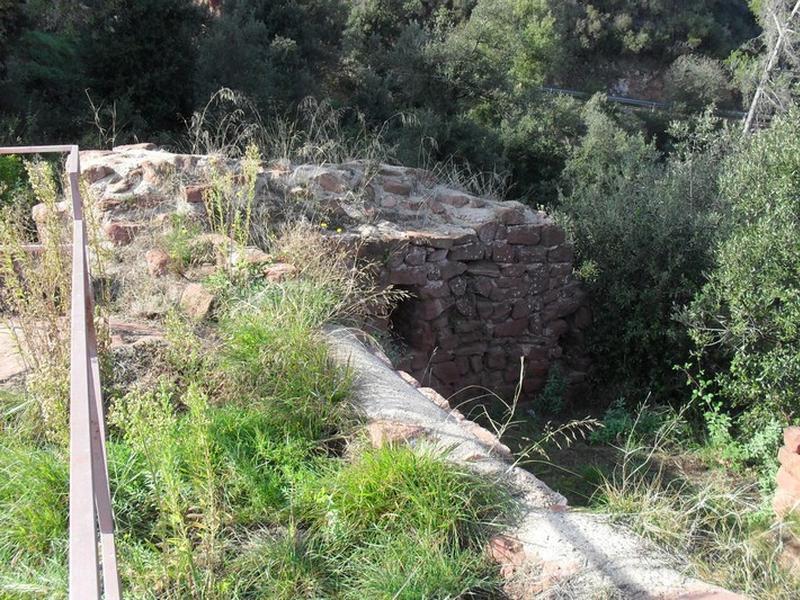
[
  {"x": 644, "y": 227},
  {"x": 718, "y": 526},
  {"x": 275, "y": 52},
  {"x": 12, "y": 178},
  {"x": 745, "y": 322},
  {"x": 697, "y": 81}
]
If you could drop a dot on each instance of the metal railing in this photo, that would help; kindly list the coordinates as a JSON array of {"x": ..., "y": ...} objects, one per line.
[
  {"x": 92, "y": 574},
  {"x": 639, "y": 103}
]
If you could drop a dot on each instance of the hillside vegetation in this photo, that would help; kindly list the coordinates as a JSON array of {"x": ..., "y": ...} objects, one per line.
[{"x": 687, "y": 238}]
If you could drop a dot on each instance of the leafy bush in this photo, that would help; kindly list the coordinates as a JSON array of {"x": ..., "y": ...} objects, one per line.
[
  {"x": 697, "y": 81},
  {"x": 621, "y": 424},
  {"x": 141, "y": 56},
  {"x": 12, "y": 178},
  {"x": 644, "y": 227},
  {"x": 746, "y": 320}
]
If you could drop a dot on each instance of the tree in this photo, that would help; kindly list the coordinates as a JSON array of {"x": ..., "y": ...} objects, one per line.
[
  {"x": 10, "y": 21},
  {"x": 141, "y": 56},
  {"x": 746, "y": 322},
  {"x": 644, "y": 227},
  {"x": 697, "y": 81},
  {"x": 779, "y": 68},
  {"x": 277, "y": 53}
]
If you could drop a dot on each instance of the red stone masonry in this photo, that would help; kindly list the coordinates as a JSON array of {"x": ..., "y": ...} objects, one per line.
[{"x": 494, "y": 297}]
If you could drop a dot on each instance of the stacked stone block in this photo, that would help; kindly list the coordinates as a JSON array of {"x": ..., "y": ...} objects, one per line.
[
  {"x": 494, "y": 301},
  {"x": 492, "y": 305}
]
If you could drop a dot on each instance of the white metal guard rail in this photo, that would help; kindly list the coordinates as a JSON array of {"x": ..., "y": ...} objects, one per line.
[{"x": 91, "y": 516}]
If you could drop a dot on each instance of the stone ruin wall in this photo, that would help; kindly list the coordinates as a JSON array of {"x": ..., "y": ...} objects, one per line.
[
  {"x": 485, "y": 297},
  {"x": 491, "y": 282}
]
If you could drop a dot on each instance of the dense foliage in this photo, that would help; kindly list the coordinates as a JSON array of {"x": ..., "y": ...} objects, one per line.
[
  {"x": 746, "y": 320},
  {"x": 650, "y": 199},
  {"x": 644, "y": 228},
  {"x": 463, "y": 74}
]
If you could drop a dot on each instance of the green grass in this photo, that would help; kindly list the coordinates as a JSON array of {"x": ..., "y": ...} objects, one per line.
[
  {"x": 229, "y": 477},
  {"x": 716, "y": 521}
]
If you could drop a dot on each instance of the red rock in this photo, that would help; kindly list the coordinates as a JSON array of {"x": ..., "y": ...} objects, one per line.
[
  {"x": 511, "y": 215},
  {"x": 484, "y": 309},
  {"x": 486, "y": 232},
  {"x": 250, "y": 255},
  {"x": 147, "y": 146},
  {"x": 331, "y": 182},
  {"x": 487, "y": 438},
  {"x": 465, "y": 305},
  {"x": 434, "y": 289},
  {"x": 408, "y": 379},
  {"x": 496, "y": 359},
  {"x": 449, "y": 269},
  {"x": 437, "y": 255},
  {"x": 513, "y": 282},
  {"x": 430, "y": 309},
  {"x": 408, "y": 276},
  {"x": 482, "y": 286},
  {"x": 121, "y": 233},
  {"x": 527, "y": 235},
  {"x": 791, "y": 439},
  {"x": 522, "y": 308},
  {"x": 483, "y": 268},
  {"x": 508, "y": 552},
  {"x": 420, "y": 335},
  {"x": 157, "y": 262},
  {"x": 783, "y": 503},
  {"x": 427, "y": 238},
  {"x": 788, "y": 483},
  {"x": 790, "y": 461},
  {"x": 513, "y": 270},
  {"x": 389, "y": 201},
  {"x": 96, "y": 173},
  {"x": 195, "y": 194},
  {"x": 552, "y": 235},
  {"x": 197, "y": 301},
  {"x": 468, "y": 349},
  {"x": 511, "y": 328},
  {"x": 435, "y": 397},
  {"x": 447, "y": 371},
  {"x": 469, "y": 251},
  {"x": 453, "y": 198},
  {"x": 502, "y": 311},
  {"x": 383, "y": 433},
  {"x": 279, "y": 272},
  {"x": 458, "y": 286},
  {"x": 503, "y": 252},
  {"x": 396, "y": 186},
  {"x": 415, "y": 257},
  {"x": 531, "y": 254}
]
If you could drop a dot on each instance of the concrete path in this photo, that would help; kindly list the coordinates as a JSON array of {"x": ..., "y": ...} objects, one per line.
[{"x": 551, "y": 551}]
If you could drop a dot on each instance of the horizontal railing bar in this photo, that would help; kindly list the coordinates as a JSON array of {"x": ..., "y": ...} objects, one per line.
[{"x": 36, "y": 149}]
